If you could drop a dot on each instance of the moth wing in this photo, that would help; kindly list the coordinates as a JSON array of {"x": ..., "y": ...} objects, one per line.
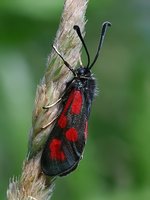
[{"x": 65, "y": 144}]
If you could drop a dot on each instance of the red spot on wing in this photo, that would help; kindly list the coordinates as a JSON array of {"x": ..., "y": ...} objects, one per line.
[
  {"x": 86, "y": 130},
  {"x": 68, "y": 103},
  {"x": 72, "y": 135},
  {"x": 62, "y": 121},
  {"x": 77, "y": 103},
  {"x": 55, "y": 150}
]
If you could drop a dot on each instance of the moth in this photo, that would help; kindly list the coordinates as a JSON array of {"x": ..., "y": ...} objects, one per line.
[{"x": 65, "y": 144}]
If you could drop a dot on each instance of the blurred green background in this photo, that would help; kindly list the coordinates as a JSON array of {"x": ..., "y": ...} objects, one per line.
[{"x": 116, "y": 164}]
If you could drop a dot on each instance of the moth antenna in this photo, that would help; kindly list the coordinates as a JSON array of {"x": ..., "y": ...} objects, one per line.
[
  {"x": 77, "y": 29},
  {"x": 105, "y": 25},
  {"x": 65, "y": 62}
]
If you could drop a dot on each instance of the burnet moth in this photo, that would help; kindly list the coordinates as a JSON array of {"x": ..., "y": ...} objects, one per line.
[{"x": 65, "y": 144}]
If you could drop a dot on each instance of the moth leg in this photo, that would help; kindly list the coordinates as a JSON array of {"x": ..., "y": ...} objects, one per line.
[
  {"x": 53, "y": 104},
  {"x": 61, "y": 98},
  {"x": 80, "y": 61},
  {"x": 65, "y": 62},
  {"x": 32, "y": 198},
  {"x": 45, "y": 126}
]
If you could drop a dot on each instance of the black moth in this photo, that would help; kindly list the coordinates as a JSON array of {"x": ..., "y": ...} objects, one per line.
[{"x": 65, "y": 144}]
